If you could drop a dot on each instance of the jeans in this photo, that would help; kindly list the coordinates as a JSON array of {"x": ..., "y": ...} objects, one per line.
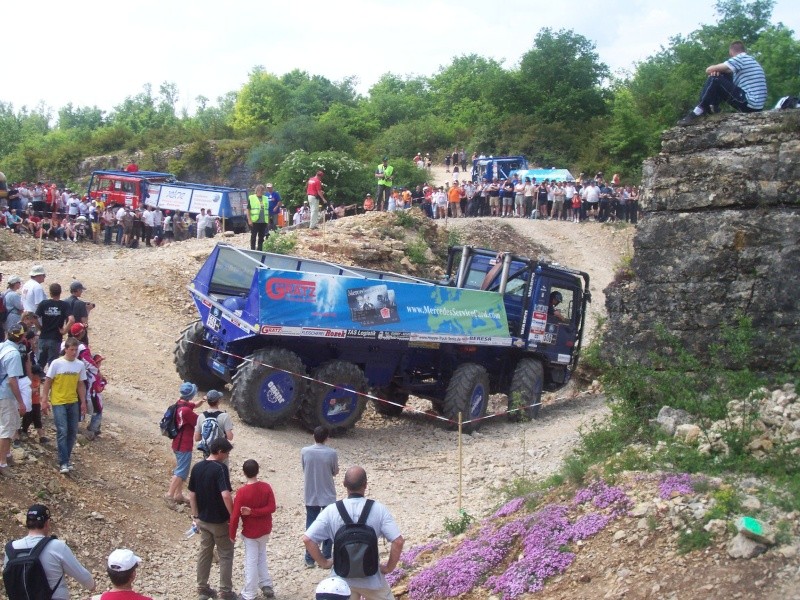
[
  {"x": 107, "y": 234},
  {"x": 215, "y": 534},
  {"x": 720, "y": 88},
  {"x": 327, "y": 546},
  {"x": 66, "y": 417},
  {"x": 49, "y": 350},
  {"x": 256, "y": 572}
]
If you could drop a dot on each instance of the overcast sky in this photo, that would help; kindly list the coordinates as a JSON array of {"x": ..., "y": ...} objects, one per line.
[{"x": 97, "y": 53}]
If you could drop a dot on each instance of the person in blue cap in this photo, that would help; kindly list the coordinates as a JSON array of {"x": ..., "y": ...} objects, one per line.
[{"x": 183, "y": 444}]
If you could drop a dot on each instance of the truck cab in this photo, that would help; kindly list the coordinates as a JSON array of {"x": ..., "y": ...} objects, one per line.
[{"x": 124, "y": 188}]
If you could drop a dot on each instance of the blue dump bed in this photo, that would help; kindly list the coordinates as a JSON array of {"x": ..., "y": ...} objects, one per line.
[{"x": 277, "y": 295}]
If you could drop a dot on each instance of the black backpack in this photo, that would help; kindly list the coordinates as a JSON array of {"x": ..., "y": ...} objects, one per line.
[
  {"x": 168, "y": 424},
  {"x": 3, "y": 309},
  {"x": 355, "y": 545},
  {"x": 24, "y": 575}
]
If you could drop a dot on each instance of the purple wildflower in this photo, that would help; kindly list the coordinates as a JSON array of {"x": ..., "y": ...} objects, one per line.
[
  {"x": 675, "y": 485},
  {"x": 509, "y": 508}
]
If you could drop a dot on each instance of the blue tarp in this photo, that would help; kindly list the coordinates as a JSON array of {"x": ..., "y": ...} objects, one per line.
[{"x": 542, "y": 174}]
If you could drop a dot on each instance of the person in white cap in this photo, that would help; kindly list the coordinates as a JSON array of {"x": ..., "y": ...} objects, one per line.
[
  {"x": 333, "y": 588},
  {"x": 32, "y": 291},
  {"x": 122, "y": 565},
  {"x": 13, "y": 302}
]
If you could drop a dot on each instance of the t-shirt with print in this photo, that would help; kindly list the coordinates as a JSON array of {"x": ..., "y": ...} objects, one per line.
[
  {"x": 123, "y": 595},
  {"x": 65, "y": 375},
  {"x": 53, "y": 314}
]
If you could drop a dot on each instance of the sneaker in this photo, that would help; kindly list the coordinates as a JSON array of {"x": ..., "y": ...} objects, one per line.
[
  {"x": 689, "y": 119},
  {"x": 206, "y": 593},
  {"x": 310, "y": 565},
  {"x": 5, "y": 471},
  {"x": 89, "y": 435},
  {"x": 268, "y": 591},
  {"x": 71, "y": 466},
  {"x": 16, "y": 444},
  {"x": 229, "y": 595},
  {"x": 64, "y": 469},
  {"x": 170, "y": 502}
]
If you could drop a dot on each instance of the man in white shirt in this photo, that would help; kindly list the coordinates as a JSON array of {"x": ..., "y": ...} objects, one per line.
[
  {"x": 148, "y": 220},
  {"x": 32, "y": 292}
]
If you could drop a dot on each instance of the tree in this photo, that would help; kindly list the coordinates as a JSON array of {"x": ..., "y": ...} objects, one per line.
[
  {"x": 560, "y": 78},
  {"x": 81, "y": 117},
  {"x": 346, "y": 180},
  {"x": 262, "y": 103},
  {"x": 779, "y": 53},
  {"x": 394, "y": 99}
]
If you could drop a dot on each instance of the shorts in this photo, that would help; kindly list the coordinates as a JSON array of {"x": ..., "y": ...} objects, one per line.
[
  {"x": 184, "y": 460},
  {"x": 9, "y": 418},
  {"x": 508, "y": 201},
  {"x": 494, "y": 201}
]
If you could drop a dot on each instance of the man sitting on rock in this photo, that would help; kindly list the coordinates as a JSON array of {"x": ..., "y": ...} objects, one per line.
[{"x": 739, "y": 81}]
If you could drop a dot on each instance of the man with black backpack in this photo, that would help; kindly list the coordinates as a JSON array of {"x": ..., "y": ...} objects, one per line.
[
  {"x": 35, "y": 566},
  {"x": 355, "y": 524}
]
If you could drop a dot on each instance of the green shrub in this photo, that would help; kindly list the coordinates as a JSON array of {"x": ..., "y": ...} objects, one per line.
[
  {"x": 417, "y": 252},
  {"x": 458, "y": 525},
  {"x": 279, "y": 243},
  {"x": 694, "y": 539}
]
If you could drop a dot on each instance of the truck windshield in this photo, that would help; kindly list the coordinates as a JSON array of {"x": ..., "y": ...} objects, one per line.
[{"x": 233, "y": 272}]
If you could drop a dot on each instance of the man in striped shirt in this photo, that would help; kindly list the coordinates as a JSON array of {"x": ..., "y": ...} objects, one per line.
[{"x": 739, "y": 81}]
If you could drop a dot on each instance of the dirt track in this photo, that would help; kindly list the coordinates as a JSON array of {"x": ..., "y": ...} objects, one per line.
[{"x": 412, "y": 464}]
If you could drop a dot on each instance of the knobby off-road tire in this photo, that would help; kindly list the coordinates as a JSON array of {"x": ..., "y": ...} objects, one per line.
[
  {"x": 525, "y": 392},
  {"x": 467, "y": 393},
  {"x": 392, "y": 394},
  {"x": 337, "y": 408},
  {"x": 191, "y": 360},
  {"x": 267, "y": 396}
]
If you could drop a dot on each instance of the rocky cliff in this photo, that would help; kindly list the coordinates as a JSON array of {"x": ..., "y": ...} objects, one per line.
[{"x": 720, "y": 238}]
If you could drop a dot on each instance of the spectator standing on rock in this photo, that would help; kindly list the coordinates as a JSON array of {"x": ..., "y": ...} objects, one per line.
[
  {"x": 274, "y": 207},
  {"x": 384, "y": 173},
  {"x": 315, "y": 194},
  {"x": 258, "y": 217},
  {"x": 185, "y": 422},
  {"x": 55, "y": 318},
  {"x": 122, "y": 566},
  {"x": 373, "y": 587},
  {"x": 65, "y": 390},
  {"x": 254, "y": 503},
  {"x": 11, "y": 401},
  {"x": 212, "y": 505},
  {"x": 33, "y": 292},
  {"x": 56, "y": 558},
  {"x": 320, "y": 464}
]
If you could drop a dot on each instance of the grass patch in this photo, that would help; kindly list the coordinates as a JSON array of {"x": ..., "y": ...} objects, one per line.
[
  {"x": 694, "y": 539},
  {"x": 417, "y": 252}
]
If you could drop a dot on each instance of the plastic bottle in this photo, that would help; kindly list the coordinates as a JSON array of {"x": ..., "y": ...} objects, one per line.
[{"x": 191, "y": 531}]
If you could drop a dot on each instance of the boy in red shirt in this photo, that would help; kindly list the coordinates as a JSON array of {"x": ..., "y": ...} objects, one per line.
[
  {"x": 183, "y": 444},
  {"x": 255, "y": 502}
]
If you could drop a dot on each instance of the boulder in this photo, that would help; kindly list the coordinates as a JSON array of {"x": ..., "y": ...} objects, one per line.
[
  {"x": 687, "y": 433},
  {"x": 743, "y": 547}
]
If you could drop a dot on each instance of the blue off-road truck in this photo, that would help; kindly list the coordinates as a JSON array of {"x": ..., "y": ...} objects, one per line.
[{"x": 498, "y": 323}]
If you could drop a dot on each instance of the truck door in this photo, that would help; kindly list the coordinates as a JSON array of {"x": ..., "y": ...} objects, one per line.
[{"x": 556, "y": 318}]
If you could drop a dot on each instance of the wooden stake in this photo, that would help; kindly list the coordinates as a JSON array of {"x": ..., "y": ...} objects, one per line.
[{"x": 460, "y": 461}]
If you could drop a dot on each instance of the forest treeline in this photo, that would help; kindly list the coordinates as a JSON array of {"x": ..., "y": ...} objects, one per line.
[{"x": 559, "y": 105}]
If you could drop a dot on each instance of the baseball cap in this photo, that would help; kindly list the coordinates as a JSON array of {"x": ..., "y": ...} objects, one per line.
[
  {"x": 269, "y": 185},
  {"x": 77, "y": 328},
  {"x": 37, "y": 516},
  {"x": 75, "y": 286},
  {"x": 188, "y": 390},
  {"x": 16, "y": 333},
  {"x": 214, "y": 396},
  {"x": 122, "y": 559},
  {"x": 37, "y": 270},
  {"x": 333, "y": 588}
]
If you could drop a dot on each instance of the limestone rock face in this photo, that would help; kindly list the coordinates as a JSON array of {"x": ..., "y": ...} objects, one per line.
[{"x": 720, "y": 237}]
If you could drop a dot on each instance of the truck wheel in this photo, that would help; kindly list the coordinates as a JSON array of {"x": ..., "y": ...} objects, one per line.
[
  {"x": 526, "y": 389},
  {"x": 266, "y": 396},
  {"x": 191, "y": 360},
  {"x": 392, "y": 394},
  {"x": 467, "y": 393},
  {"x": 337, "y": 408}
]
